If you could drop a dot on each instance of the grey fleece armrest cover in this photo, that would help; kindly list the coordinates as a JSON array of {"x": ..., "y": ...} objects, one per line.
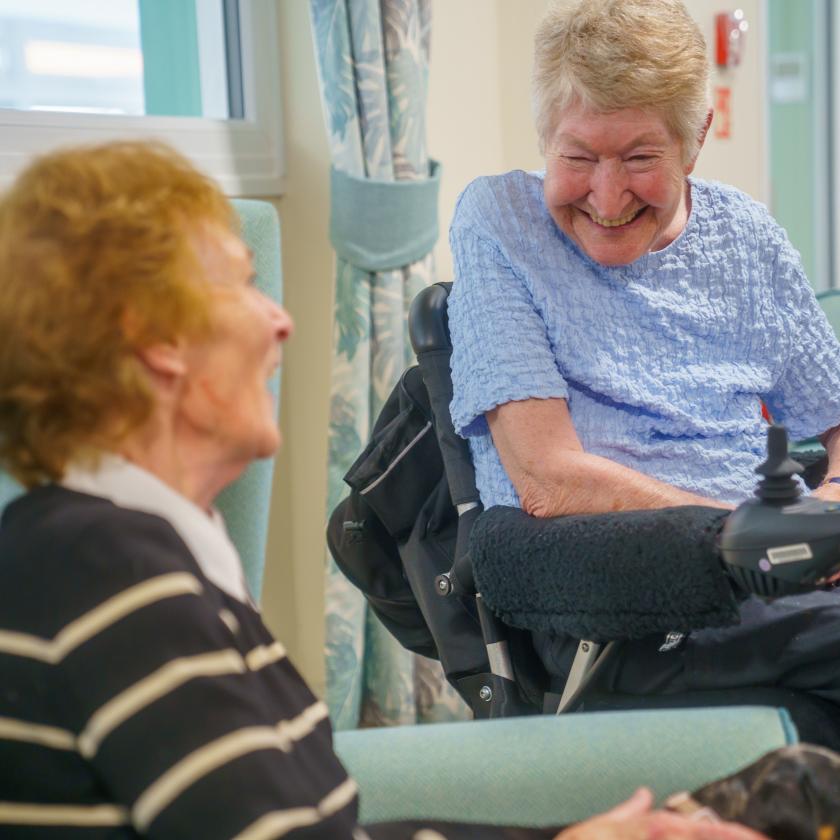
[{"x": 604, "y": 576}]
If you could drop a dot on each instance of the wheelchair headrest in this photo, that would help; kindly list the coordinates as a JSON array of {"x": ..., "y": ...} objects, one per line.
[{"x": 428, "y": 320}]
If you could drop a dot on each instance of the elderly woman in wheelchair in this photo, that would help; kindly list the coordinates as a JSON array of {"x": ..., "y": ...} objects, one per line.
[{"x": 617, "y": 327}]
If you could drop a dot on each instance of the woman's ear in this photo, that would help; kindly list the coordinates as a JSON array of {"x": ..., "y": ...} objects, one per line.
[
  {"x": 705, "y": 130},
  {"x": 701, "y": 140},
  {"x": 163, "y": 360}
]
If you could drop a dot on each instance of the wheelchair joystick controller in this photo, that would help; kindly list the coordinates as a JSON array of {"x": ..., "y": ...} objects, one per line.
[
  {"x": 780, "y": 543},
  {"x": 778, "y": 486}
]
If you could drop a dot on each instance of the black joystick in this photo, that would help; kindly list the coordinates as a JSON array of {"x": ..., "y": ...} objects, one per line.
[
  {"x": 778, "y": 486},
  {"x": 781, "y": 543}
]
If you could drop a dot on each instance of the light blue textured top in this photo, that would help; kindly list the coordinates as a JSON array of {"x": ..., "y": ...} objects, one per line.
[{"x": 663, "y": 361}]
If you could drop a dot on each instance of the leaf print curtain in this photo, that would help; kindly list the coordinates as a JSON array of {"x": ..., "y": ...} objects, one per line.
[{"x": 373, "y": 58}]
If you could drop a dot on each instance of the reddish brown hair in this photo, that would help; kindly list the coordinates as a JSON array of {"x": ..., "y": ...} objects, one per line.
[{"x": 96, "y": 261}]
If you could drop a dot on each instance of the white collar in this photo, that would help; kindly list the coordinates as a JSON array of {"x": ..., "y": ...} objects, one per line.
[{"x": 130, "y": 486}]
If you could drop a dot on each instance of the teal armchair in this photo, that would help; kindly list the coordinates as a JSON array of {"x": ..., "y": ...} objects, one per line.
[{"x": 550, "y": 770}]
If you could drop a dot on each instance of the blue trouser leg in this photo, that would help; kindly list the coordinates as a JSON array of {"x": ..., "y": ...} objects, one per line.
[{"x": 792, "y": 642}]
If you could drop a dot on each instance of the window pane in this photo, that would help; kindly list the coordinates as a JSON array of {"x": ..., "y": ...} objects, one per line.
[{"x": 115, "y": 57}]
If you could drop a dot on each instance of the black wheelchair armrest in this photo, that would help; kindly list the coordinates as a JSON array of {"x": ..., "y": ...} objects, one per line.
[{"x": 604, "y": 576}]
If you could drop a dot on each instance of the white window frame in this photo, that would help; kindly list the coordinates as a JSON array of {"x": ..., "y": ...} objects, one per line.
[{"x": 245, "y": 156}]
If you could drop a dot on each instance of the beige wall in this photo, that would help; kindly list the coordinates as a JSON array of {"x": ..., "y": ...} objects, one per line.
[
  {"x": 479, "y": 123},
  {"x": 293, "y": 587},
  {"x": 742, "y": 160}
]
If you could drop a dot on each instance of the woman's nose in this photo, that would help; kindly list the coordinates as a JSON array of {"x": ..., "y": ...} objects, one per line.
[
  {"x": 608, "y": 194},
  {"x": 281, "y": 321}
]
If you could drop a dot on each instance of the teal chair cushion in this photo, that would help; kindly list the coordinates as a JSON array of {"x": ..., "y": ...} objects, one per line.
[
  {"x": 245, "y": 504},
  {"x": 544, "y": 771}
]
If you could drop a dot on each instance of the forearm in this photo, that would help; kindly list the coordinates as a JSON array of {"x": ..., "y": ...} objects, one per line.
[
  {"x": 553, "y": 476},
  {"x": 572, "y": 482}
]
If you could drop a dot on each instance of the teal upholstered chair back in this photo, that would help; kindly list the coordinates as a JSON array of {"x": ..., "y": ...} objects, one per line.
[
  {"x": 830, "y": 303},
  {"x": 245, "y": 504}
]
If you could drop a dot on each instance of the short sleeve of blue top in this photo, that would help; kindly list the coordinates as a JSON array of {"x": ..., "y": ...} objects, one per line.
[{"x": 663, "y": 361}]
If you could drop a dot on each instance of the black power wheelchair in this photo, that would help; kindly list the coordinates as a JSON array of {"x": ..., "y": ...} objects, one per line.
[{"x": 411, "y": 536}]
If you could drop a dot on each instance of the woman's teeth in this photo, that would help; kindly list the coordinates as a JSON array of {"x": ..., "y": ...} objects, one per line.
[{"x": 614, "y": 222}]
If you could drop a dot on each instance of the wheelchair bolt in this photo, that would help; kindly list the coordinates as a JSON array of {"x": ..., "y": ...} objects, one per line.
[
  {"x": 486, "y": 693},
  {"x": 584, "y": 647}
]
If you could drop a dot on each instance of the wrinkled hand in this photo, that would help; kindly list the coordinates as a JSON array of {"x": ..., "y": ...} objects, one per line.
[{"x": 634, "y": 820}]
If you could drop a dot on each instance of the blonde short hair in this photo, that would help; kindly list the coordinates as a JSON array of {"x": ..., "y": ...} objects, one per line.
[
  {"x": 96, "y": 261},
  {"x": 614, "y": 54}
]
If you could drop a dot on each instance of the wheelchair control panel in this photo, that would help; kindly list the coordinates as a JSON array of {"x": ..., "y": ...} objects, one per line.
[{"x": 781, "y": 543}]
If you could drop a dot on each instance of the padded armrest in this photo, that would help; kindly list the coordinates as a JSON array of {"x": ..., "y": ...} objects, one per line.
[
  {"x": 604, "y": 576},
  {"x": 546, "y": 770}
]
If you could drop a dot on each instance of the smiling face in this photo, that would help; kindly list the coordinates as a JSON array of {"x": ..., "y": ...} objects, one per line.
[
  {"x": 615, "y": 183},
  {"x": 225, "y": 394}
]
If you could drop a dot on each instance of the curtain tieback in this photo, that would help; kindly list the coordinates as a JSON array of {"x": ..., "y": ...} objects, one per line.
[{"x": 382, "y": 225}]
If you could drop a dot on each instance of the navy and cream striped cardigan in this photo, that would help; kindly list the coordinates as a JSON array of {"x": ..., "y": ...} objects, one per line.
[{"x": 137, "y": 698}]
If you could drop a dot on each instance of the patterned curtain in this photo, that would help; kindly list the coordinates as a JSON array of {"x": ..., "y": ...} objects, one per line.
[{"x": 373, "y": 58}]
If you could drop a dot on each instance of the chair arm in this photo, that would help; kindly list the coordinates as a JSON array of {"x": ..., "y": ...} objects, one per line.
[
  {"x": 545, "y": 770},
  {"x": 9, "y": 490}
]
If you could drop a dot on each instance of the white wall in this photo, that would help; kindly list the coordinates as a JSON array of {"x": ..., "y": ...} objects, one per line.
[{"x": 479, "y": 123}]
